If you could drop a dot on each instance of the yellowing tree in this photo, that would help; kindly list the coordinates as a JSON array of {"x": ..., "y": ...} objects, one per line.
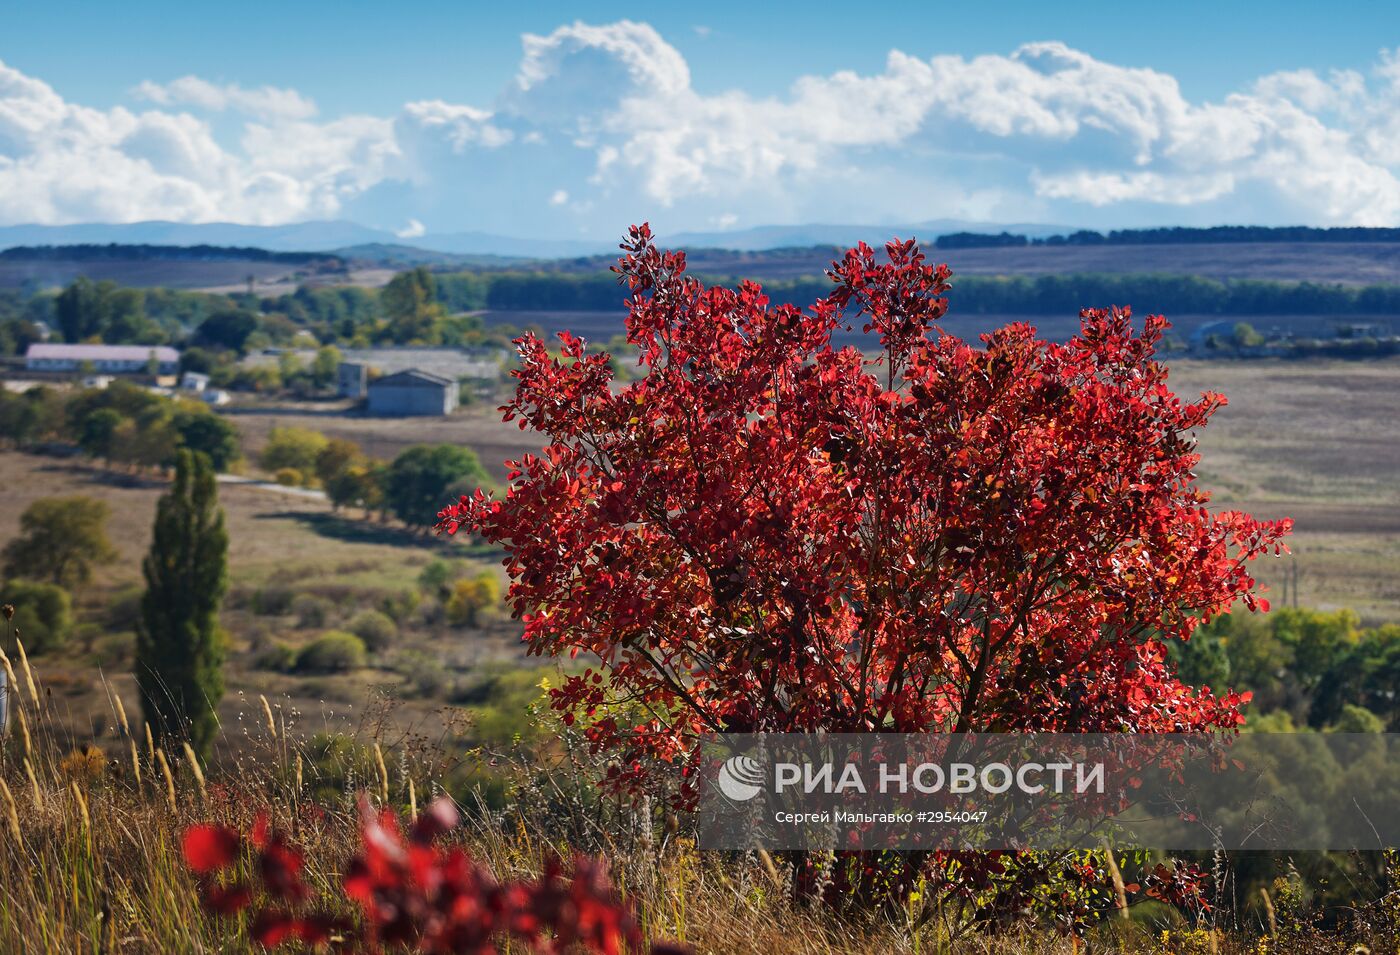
[
  {"x": 472, "y": 597},
  {"x": 59, "y": 541}
]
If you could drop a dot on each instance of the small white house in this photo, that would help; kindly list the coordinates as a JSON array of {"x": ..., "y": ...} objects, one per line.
[{"x": 193, "y": 381}]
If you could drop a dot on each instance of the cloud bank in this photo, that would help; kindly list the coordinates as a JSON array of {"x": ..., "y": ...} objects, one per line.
[{"x": 600, "y": 125}]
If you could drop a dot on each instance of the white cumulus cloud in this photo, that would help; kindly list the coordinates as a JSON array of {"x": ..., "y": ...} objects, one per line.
[
  {"x": 265, "y": 101},
  {"x": 603, "y": 119}
]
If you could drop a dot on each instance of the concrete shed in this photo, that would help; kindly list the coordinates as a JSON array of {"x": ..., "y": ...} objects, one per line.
[{"x": 412, "y": 392}]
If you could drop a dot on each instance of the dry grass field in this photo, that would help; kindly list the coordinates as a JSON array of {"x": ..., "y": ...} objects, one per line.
[
  {"x": 279, "y": 543},
  {"x": 478, "y": 427},
  {"x": 1317, "y": 441},
  {"x": 1359, "y": 263}
]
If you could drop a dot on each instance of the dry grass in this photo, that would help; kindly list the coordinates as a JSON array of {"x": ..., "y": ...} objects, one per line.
[
  {"x": 276, "y": 540},
  {"x": 1318, "y": 442},
  {"x": 478, "y": 427},
  {"x": 90, "y": 858},
  {"x": 1349, "y": 263}
]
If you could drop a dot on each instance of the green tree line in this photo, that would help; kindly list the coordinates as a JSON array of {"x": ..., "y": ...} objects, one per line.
[
  {"x": 1174, "y": 235},
  {"x": 413, "y": 487},
  {"x": 422, "y": 307},
  {"x": 121, "y": 424},
  {"x": 1306, "y": 668}
]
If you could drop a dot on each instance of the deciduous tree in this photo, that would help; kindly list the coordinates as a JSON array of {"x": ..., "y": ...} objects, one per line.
[
  {"x": 471, "y": 597},
  {"x": 411, "y": 306},
  {"x": 766, "y": 533},
  {"x": 420, "y": 479},
  {"x": 60, "y": 540},
  {"x": 292, "y": 447}
]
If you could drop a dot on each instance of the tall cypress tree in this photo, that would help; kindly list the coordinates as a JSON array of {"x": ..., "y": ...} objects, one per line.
[{"x": 179, "y": 652}]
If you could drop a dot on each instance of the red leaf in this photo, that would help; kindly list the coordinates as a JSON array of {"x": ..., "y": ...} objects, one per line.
[
  {"x": 272, "y": 927},
  {"x": 227, "y": 899},
  {"x": 439, "y": 817},
  {"x": 210, "y": 848}
]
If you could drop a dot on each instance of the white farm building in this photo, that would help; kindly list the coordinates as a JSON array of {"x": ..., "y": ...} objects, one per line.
[{"x": 106, "y": 359}]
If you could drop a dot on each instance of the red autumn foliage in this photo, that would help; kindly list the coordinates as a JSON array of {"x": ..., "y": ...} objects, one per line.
[
  {"x": 210, "y": 848},
  {"x": 415, "y": 894},
  {"x": 766, "y": 533},
  {"x": 1178, "y": 884}
]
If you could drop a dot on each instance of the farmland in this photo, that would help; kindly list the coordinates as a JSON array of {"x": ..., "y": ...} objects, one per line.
[{"x": 1351, "y": 263}]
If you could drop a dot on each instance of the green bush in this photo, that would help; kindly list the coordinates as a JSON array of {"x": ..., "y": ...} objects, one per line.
[
  {"x": 424, "y": 676},
  {"x": 436, "y": 578},
  {"x": 290, "y": 477},
  {"x": 292, "y": 449},
  {"x": 273, "y": 601},
  {"x": 500, "y": 698},
  {"x": 1357, "y": 719},
  {"x": 124, "y": 609},
  {"x": 375, "y": 628},
  {"x": 333, "y": 651},
  {"x": 473, "y": 598},
  {"x": 312, "y": 612},
  {"x": 43, "y": 615},
  {"x": 113, "y": 650},
  {"x": 279, "y": 657},
  {"x": 399, "y": 605}
]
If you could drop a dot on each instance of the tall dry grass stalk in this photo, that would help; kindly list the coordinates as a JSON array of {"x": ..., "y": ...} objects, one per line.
[
  {"x": 383, "y": 774},
  {"x": 11, "y": 813},
  {"x": 9, "y": 670},
  {"x": 169, "y": 778},
  {"x": 198, "y": 773},
  {"x": 28, "y": 672}
]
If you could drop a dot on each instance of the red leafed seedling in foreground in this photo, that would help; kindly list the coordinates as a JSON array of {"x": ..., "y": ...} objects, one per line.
[
  {"x": 765, "y": 533},
  {"x": 413, "y": 894}
]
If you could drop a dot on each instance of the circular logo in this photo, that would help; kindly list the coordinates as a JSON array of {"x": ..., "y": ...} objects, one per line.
[{"x": 740, "y": 778}]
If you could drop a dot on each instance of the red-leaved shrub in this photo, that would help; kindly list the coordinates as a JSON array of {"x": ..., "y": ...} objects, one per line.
[
  {"x": 414, "y": 893},
  {"x": 765, "y": 533}
]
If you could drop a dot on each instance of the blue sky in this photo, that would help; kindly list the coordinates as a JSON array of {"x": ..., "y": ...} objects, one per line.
[{"x": 445, "y": 116}]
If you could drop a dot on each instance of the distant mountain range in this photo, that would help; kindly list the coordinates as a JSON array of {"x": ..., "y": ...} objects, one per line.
[
  {"x": 349, "y": 237},
  {"x": 320, "y": 236},
  {"x": 764, "y": 237}
]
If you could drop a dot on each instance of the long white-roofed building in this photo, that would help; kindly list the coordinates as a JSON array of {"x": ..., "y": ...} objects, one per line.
[{"x": 108, "y": 359}]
